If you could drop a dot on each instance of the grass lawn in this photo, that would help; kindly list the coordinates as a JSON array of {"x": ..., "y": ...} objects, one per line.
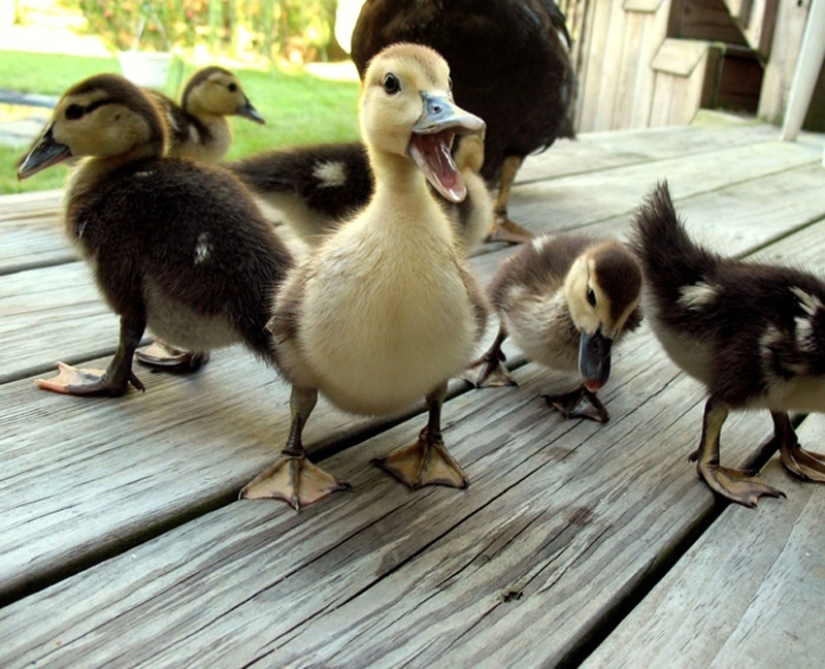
[{"x": 298, "y": 108}]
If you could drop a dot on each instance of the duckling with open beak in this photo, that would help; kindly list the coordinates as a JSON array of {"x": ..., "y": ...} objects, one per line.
[
  {"x": 565, "y": 300},
  {"x": 384, "y": 311}
]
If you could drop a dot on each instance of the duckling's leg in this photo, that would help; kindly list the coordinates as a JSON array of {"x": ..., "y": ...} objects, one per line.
[
  {"x": 161, "y": 355},
  {"x": 804, "y": 464},
  {"x": 733, "y": 484},
  {"x": 426, "y": 462},
  {"x": 114, "y": 380},
  {"x": 504, "y": 229},
  {"x": 293, "y": 478},
  {"x": 493, "y": 373},
  {"x": 581, "y": 403}
]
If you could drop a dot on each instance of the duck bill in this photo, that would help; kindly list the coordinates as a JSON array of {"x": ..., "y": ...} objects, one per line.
[
  {"x": 594, "y": 359},
  {"x": 246, "y": 110},
  {"x": 432, "y": 140},
  {"x": 45, "y": 153}
]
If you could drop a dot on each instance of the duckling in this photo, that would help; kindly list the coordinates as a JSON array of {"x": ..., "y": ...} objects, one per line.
[
  {"x": 174, "y": 246},
  {"x": 565, "y": 300},
  {"x": 752, "y": 333},
  {"x": 318, "y": 187},
  {"x": 511, "y": 65},
  {"x": 197, "y": 128},
  {"x": 384, "y": 310}
]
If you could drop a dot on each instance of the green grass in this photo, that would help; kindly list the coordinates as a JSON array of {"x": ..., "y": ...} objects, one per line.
[{"x": 298, "y": 108}]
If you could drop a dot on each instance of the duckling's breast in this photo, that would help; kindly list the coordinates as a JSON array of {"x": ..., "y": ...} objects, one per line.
[
  {"x": 541, "y": 326},
  {"x": 385, "y": 319}
]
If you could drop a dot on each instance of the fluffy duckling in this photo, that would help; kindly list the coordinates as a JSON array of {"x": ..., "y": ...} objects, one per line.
[
  {"x": 174, "y": 246},
  {"x": 753, "y": 333},
  {"x": 319, "y": 187},
  {"x": 565, "y": 300},
  {"x": 384, "y": 311},
  {"x": 511, "y": 65},
  {"x": 197, "y": 128}
]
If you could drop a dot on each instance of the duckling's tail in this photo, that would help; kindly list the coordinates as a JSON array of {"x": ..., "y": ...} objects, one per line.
[{"x": 669, "y": 257}]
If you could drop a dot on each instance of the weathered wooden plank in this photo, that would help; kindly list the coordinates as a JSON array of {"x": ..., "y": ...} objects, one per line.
[
  {"x": 570, "y": 515},
  {"x": 745, "y": 215},
  {"x": 748, "y": 592},
  {"x": 556, "y": 204}
]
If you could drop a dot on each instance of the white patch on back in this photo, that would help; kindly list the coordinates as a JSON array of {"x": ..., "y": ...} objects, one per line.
[
  {"x": 202, "y": 248},
  {"x": 809, "y": 303},
  {"x": 331, "y": 174},
  {"x": 540, "y": 243},
  {"x": 697, "y": 296},
  {"x": 804, "y": 333}
]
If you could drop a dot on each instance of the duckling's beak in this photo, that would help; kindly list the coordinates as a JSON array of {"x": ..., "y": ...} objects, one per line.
[
  {"x": 248, "y": 111},
  {"x": 594, "y": 359},
  {"x": 45, "y": 153},
  {"x": 431, "y": 141}
]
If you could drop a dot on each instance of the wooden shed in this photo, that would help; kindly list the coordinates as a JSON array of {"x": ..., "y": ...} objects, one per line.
[{"x": 646, "y": 63}]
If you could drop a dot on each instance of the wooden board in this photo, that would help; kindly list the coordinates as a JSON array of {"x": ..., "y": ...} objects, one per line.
[{"x": 749, "y": 591}]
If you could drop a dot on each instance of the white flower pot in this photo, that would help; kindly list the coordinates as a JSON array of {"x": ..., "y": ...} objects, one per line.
[{"x": 149, "y": 69}]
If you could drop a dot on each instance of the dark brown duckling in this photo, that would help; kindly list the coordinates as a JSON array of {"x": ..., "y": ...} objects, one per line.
[
  {"x": 510, "y": 64},
  {"x": 197, "y": 128},
  {"x": 384, "y": 311},
  {"x": 565, "y": 300},
  {"x": 319, "y": 187},
  {"x": 752, "y": 333},
  {"x": 174, "y": 246}
]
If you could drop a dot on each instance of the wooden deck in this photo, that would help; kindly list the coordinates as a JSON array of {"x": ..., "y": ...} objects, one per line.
[{"x": 123, "y": 544}]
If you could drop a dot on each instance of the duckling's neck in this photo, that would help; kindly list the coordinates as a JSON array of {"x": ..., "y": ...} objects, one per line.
[{"x": 401, "y": 186}]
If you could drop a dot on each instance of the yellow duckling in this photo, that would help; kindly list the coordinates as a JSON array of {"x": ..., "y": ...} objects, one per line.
[{"x": 384, "y": 311}]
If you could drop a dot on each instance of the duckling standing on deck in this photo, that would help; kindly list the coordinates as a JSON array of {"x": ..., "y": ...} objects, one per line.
[
  {"x": 319, "y": 187},
  {"x": 384, "y": 311},
  {"x": 753, "y": 333},
  {"x": 565, "y": 300},
  {"x": 197, "y": 128},
  {"x": 174, "y": 246}
]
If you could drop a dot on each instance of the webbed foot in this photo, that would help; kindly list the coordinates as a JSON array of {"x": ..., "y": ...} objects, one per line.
[
  {"x": 507, "y": 230},
  {"x": 806, "y": 465},
  {"x": 73, "y": 381},
  {"x": 580, "y": 403},
  {"x": 162, "y": 356},
  {"x": 295, "y": 480},
  {"x": 492, "y": 373},
  {"x": 736, "y": 485},
  {"x": 426, "y": 462}
]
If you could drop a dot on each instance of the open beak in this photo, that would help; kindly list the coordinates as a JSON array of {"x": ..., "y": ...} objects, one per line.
[
  {"x": 248, "y": 111},
  {"x": 45, "y": 153},
  {"x": 594, "y": 359},
  {"x": 432, "y": 139}
]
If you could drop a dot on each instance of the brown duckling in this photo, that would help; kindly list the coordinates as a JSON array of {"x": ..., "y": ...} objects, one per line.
[
  {"x": 752, "y": 333},
  {"x": 174, "y": 246},
  {"x": 318, "y": 187},
  {"x": 197, "y": 128},
  {"x": 510, "y": 63},
  {"x": 384, "y": 311},
  {"x": 565, "y": 300}
]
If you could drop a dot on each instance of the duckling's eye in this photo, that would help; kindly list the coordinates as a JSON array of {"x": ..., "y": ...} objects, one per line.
[
  {"x": 74, "y": 112},
  {"x": 232, "y": 87},
  {"x": 391, "y": 84},
  {"x": 591, "y": 297}
]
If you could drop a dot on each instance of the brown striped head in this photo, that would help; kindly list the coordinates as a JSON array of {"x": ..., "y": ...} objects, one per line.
[
  {"x": 214, "y": 91},
  {"x": 104, "y": 116}
]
